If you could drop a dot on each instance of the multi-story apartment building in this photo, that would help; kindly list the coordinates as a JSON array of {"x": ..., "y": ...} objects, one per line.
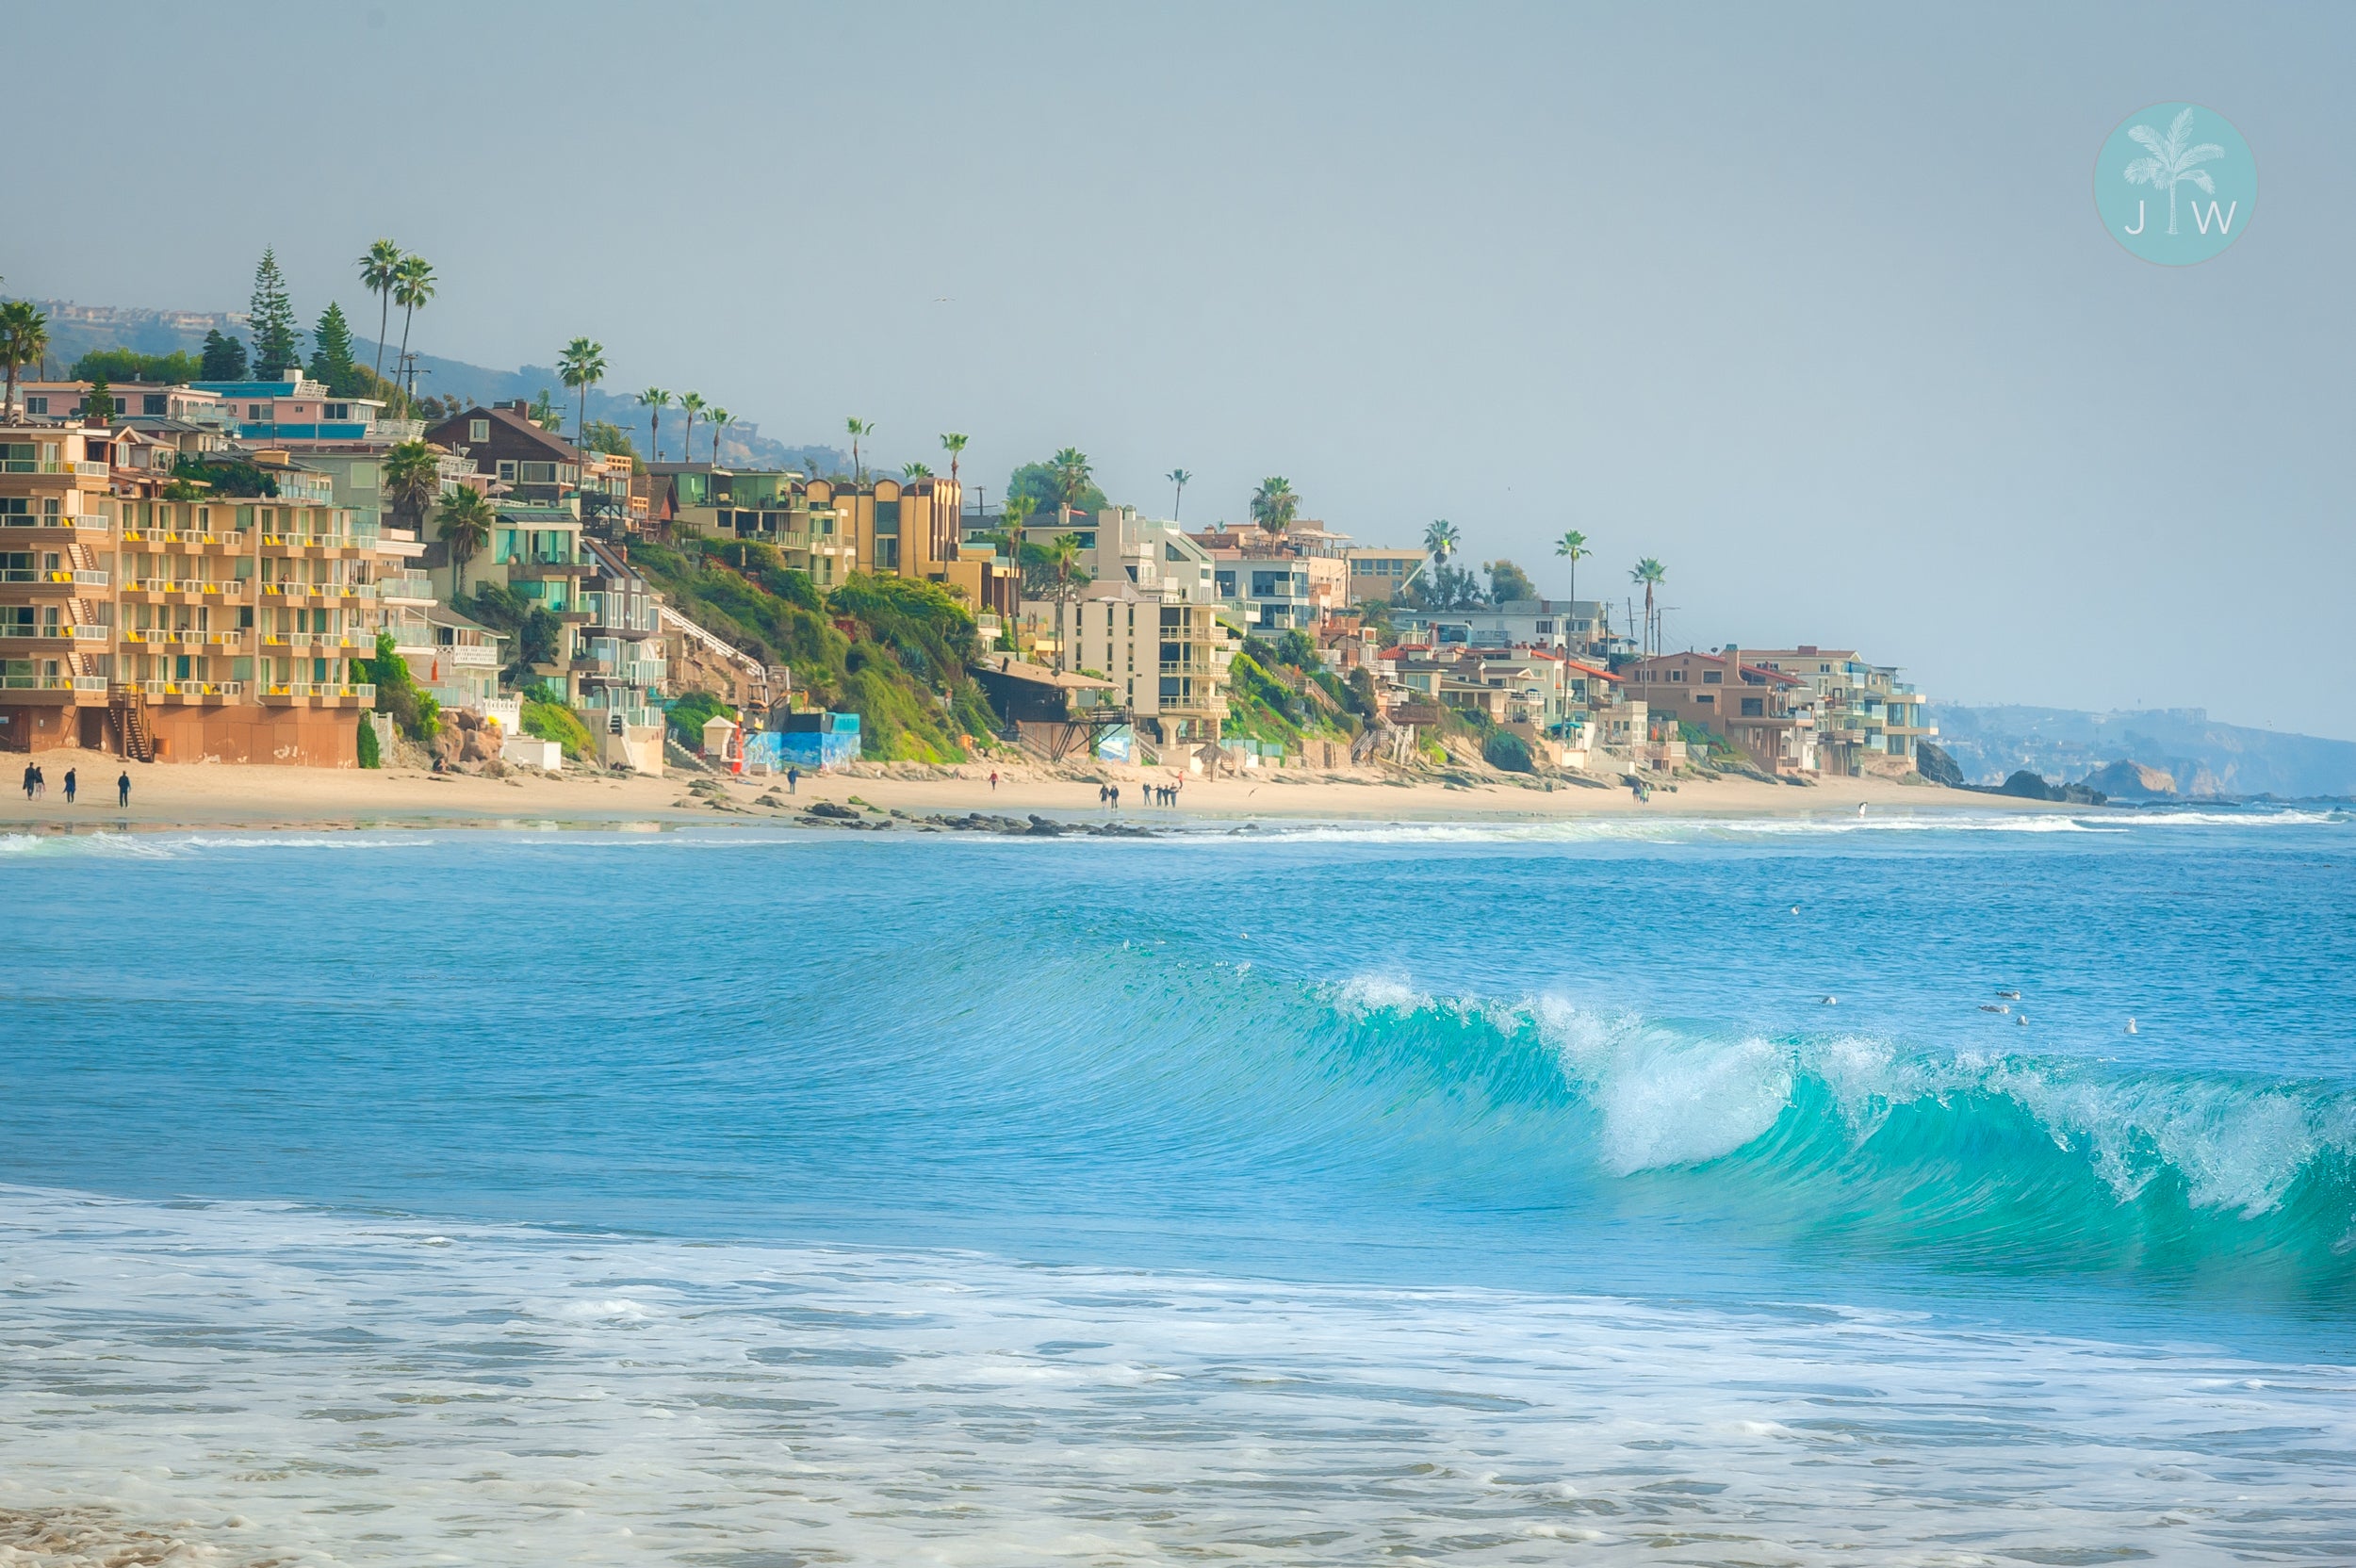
[
  {"x": 1168, "y": 657},
  {"x": 1862, "y": 711},
  {"x": 213, "y": 626},
  {"x": 1382, "y": 575},
  {"x": 61, "y": 400},
  {"x": 621, "y": 668},
  {"x": 1279, "y": 582},
  {"x": 1516, "y": 623},
  {"x": 1726, "y": 692},
  {"x": 1160, "y": 559},
  {"x": 884, "y": 526}
]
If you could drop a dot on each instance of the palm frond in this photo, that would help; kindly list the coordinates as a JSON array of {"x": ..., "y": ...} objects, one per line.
[
  {"x": 2181, "y": 129},
  {"x": 2201, "y": 154},
  {"x": 2146, "y": 172},
  {"x": 2147, "y": 137},
  {"x": 2201, "y": 178}
]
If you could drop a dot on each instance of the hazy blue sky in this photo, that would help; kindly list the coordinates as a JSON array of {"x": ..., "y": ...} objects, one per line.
[{"x": 1810, "y": 303}]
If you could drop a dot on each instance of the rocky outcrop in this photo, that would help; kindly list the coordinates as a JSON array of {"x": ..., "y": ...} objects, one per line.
[
  {"x": 2125, "y": 780},
  {"x": 2025, "y": 785},
  {"x": 1937, "y": 766}
]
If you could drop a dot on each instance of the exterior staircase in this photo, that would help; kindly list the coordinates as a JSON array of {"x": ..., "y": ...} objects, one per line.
[{"x": 139, "y": 741}]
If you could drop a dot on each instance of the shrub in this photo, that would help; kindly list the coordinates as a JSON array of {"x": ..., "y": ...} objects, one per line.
[
  {"x": 1505, "y": 751},
  {"x": 371, "y": 756},
  {"x": 545, "y": 715},
  {"x": 691, "y": 711},
  {"x": 412, "y": 705}
]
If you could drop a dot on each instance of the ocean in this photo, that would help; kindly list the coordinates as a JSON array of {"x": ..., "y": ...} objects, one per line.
[{"x": 1639, "y": 1191}]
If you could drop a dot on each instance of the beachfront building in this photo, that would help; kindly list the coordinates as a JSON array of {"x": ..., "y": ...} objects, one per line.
[
  {"x": 1167, "y": 658},
  {"x": 502, "y": 443},
  {"x": 63, "y": 401},
  {"x": 222, "y": 627},
  {"x": 293, "y": 412},
  {"x": 1277, "y": 582},
  {"x": 622, "y": 668},
  {"x": 1725, "y": 693},
  {"x": 1863, "y": 711}
]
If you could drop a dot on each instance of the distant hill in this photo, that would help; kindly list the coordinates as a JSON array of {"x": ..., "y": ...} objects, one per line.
[
  {"x": 75, "y": 330},
  {"x": 2181, "y": 752}
]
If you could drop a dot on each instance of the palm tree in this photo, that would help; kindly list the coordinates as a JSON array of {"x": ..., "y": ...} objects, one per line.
[
  {"x": 858, "y": 427},
  {"x": 2173, "y": 160},
  {"x": 953, "y": 445},
  {"x": 654, "y": 400},
  {"x": 1063, "y": 558},
  {"x": 380, "y": 270},
  {"x": 582, "y": 366},
  {"x": 1073, "y": 476},
  {"x": 690, "y": 404},
  {"x": 1178, "y": 477},
  {"x": 465, "y": 521},
  {"x": 412, "y": 478},
  {"x": 1572, "y": 547},
  {"x": 915, "y": 470},
  {"x": 1273, "y": 506},
  {"x": 1651, "y": 574},
  {"x": 412, "y": 287},
  {"x": 1441, "y": 539},
  {"x": 24, "y": 338},
  {"x": 718, "y": 419}
]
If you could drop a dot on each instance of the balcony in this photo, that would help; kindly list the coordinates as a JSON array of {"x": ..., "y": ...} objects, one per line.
[
  {"x": 41, "y": 579},
  {"x": 336, "y": 693},
  {"x": 56, "y": 685},
  {"x": 181, "y": 588},
  {"x": 189, "y": 691},
  {"x": 317, "y": 593},
  {"x": 181, "y": 637},
  {"x": 320, "y": 645},
  {"x": 543, "y": 571},
  {"x": 16, "y": 631},
  {"x": 282, "y": 544},
  {"x": 188, "y": 539},
  {"x": 63, "y": 522},
  {"x": 408, "y": 588},
  {"x": 35, "y": 466}
]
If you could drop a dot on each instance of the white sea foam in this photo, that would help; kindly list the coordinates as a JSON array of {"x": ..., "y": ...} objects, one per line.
[{"x": 269, "y": 1382}]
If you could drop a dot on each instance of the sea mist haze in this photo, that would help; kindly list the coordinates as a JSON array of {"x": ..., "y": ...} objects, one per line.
[{"x": 1295, "y": 1194}]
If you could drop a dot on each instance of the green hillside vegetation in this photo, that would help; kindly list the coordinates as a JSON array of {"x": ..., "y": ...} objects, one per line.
[
  {"x": 1280, "y": 693},
  {"x": 892, "y": 650}
]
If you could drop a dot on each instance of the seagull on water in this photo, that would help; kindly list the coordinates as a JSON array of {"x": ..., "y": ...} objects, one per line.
[
  {"x": 1832, "y": 1001},
  {"x": 2131, "y": 1026}
]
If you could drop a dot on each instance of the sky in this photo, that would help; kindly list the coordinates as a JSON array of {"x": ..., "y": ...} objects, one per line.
[{"x": 1811, "y": 303}]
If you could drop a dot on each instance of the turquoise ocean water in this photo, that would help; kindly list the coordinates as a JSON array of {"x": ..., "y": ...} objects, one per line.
[{"x": 1300, "y": 1195}]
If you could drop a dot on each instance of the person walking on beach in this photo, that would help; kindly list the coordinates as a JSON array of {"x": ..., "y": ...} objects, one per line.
[
  {"x": 122, "y": 789},
  {"x": 30, "y": 774},
  {"x": 40, "y": 781},
  {"x": 69, "y": 786},
  {"x": 794, "y": 781},
  {"x": 994, "y": 781},
  {"x": 1116, "y": 788}
]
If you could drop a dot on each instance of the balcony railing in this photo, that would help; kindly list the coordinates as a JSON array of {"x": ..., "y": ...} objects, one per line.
[
  {"x": 189, "y": 691},
  {"x": 86, "y": 521},
  {"x": 57, "y": 633},
  {"x": 182, "y": 637},
  {"x": 76, "y": 578},
  {"x": 54, "y": 683},
  {"x": 318, "y": 643},
  {"x": 291, "y": 689},
  {"x": 405, "y": 587},
  {"x": 319, "y": 590},
  {"x": 203, "y": 539},
  {"x": 34, "y": 465},
  {"x": 233, "y": 588}
]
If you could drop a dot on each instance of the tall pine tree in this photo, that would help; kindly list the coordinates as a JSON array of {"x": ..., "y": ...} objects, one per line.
[
  {"x": 331, "y": 353},
  {"x": 273, "y": 317},
  {"x": 225, "y": 358}
]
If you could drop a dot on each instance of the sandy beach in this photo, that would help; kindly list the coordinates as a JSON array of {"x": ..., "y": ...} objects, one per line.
[{"x": 195, "y": 795}]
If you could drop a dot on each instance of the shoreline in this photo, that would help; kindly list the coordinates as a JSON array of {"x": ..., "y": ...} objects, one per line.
[{"x": 195, "y": 795}]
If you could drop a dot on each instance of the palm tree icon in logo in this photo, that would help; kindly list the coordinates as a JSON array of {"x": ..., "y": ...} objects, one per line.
[{"x": 2173, "y": 160}]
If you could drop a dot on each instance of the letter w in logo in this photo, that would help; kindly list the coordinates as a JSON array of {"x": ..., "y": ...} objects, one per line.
[{"x": 2224, "y": 224}]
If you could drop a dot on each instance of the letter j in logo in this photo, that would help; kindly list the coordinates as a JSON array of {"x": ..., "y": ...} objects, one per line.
[{"x": 2176, "y": 184}]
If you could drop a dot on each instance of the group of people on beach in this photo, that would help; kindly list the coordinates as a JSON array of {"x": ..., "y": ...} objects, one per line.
[
  {"x": 37, "y": 785},
  {"x": 1108, "y": 795}
]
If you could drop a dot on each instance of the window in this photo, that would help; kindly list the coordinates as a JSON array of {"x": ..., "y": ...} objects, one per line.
[
  {"x": 507, "y": 470},
  {"x": 1705, "y": 699},
  {"x": 532, "y": 473},
  {"x": 1713, "y": 678},
  {"x": 1753, "y": 708},
  {"x": 257, "y": 413},
  {"x": 151, "y": 402},
  {"x": 37, "y": 405},
  {"x": 478, "y": 430},
  {"x": 336, "y": 411}
]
